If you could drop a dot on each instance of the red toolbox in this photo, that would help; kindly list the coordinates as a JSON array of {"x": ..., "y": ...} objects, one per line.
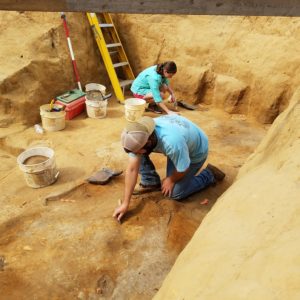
[{"x": 73, "y": 107}]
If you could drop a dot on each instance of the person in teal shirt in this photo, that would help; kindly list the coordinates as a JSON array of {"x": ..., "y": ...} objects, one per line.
[
  {"x": 152, "y": 83},
  {"x": 183, "y": 143}
]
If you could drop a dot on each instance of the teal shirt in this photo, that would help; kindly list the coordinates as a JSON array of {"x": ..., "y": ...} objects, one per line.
[
  {"x": 180, "y": 140},
  {"x": 149, "y": 81}
]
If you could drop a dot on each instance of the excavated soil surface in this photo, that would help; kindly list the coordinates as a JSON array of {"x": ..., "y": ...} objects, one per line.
[
  {"x": 71, "y": 247},
  {"x": 236, "y": 70}
]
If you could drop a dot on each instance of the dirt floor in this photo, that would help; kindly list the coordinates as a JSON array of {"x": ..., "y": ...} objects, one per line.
[
  {"x": 72, "y": 247},
  {"x": 238, "y": 71}
]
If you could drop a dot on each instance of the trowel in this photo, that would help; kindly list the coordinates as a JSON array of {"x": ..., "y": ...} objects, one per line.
[{"x": 185, "y": 105}]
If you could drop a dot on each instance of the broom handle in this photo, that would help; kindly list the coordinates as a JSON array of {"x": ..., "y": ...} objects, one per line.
[{"x": 63, "y": 16}]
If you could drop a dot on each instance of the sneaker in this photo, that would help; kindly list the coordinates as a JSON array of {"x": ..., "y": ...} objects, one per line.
[
  {"x": 218, "y": 174},
  {"x": 154, "y": 108},
  {"x": 143, "y": 189}
]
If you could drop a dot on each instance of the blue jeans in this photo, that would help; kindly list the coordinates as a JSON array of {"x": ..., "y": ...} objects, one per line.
[{"x": 183, "y": 188}]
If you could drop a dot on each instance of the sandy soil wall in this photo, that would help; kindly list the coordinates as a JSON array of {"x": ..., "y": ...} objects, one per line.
[
  {"x": 242, "y": 65},
  {"x": 36, "y": 65},
  {"x": 247, "y": 246},
  {"x": 245, "y": 65}
]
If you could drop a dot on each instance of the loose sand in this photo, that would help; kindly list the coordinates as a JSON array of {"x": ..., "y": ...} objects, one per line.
[
  {"x": 73, "y": 246},
  {"x": 240, "y": 70}
]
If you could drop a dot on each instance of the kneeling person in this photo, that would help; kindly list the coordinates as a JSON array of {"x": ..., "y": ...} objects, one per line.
[{"x": 186, "y": 148}]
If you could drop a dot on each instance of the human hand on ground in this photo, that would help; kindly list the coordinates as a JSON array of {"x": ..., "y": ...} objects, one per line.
[
  {"x": 120, "y": 212},
  {"x": 167, "y": 186}
]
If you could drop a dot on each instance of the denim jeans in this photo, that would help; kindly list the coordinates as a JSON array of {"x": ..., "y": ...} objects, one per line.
[{"x": 188, "y": 185}]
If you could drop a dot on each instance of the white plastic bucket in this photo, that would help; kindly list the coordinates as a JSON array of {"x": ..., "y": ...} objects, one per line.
[
  {"x": 52, "y": 120},
  {"x": 134, "y": 109},
  {"x": 41, "y": 173},
  {"x": 95, "y": 87},
  {"x": 95, "y": 91},
  {"x": 96, "y": 109}
]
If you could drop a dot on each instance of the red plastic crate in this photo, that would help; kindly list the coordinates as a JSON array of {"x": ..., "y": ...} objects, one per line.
[{"x": 74, "y": 108}]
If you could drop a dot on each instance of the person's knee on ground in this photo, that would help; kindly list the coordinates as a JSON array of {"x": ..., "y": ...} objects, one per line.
[
  {"x": 197, "y": 183},
  {"x": 178, "y": 193},
  {"x": 178, "y": 197},
  {"x": 181, "y": 194}
]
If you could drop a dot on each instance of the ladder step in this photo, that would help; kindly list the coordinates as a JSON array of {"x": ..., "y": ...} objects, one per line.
[
  {"x": 120, "y": 64},
  {"x": 125, "y": 82},
  {"x": 102, "y": 25},
  {"x": 112, "y": 53},
  {"x": 113, "y": 45}
]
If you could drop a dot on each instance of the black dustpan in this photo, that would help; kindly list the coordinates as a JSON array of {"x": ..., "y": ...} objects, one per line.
[{"x": 186, "y": 105}]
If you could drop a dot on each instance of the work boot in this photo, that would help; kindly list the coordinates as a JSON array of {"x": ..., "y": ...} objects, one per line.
[
  {"x": 143, "y": 189},
  {"x": 218, "y": 174}
]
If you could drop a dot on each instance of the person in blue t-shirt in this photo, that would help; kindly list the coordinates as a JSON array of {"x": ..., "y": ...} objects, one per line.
[
  {"x": 186, "y": 148},
  {"x": 151, "y": 85}
]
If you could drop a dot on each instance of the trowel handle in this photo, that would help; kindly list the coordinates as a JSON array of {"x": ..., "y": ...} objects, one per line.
[{"x": 107, "y": 96}]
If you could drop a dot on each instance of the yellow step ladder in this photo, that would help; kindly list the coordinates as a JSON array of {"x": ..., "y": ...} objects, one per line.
[{"x": 112, "y": 52}]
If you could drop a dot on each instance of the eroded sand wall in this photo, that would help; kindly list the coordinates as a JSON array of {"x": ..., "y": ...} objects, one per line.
[
  {"x": 245, "y": 65},
  {"x": 247, "y": 247},
  {"x": 36, "y": 64}
]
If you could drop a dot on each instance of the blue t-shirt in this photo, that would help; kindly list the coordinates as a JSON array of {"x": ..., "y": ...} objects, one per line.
[
  {"x": 180, "y": 140},
  {"x": 149, "y": 81}
]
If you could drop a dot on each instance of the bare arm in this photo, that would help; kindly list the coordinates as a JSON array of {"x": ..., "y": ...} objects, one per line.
[
  {"x": 171, "y": 92},
  {"x": 164, "y": 107},
  {"x": 131, "y": 175}
]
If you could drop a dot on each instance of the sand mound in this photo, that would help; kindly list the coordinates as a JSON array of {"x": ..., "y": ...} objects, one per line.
[{"x": 251, "y": 236}]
